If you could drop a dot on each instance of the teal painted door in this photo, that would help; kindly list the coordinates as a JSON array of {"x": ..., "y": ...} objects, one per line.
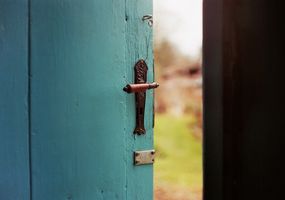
[
  {"x": 14, "y": 112},
  {"x": 66, "y": 125}
]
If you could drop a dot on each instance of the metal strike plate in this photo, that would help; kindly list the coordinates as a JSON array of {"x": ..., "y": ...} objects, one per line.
[{"x": 144, "y": 157}]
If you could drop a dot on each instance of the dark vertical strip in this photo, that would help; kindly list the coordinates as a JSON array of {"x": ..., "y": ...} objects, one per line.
[
  {"x": 231, "y": 104},
  {"x": 29, "y": 99},
  {"x": 212, "y": 100},
  {"x": 252, "y": 101}
]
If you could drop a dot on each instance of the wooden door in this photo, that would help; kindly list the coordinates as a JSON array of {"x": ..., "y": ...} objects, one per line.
[
  {"x": 14, "y": 104},
  {"x": 76, "y": 139}
]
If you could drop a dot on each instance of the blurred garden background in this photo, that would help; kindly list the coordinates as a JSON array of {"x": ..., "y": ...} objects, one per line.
[{"x": 178, "y": 128}]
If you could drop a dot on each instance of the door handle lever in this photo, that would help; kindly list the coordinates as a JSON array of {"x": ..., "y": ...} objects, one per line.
[{"x": 139, "y": 88}]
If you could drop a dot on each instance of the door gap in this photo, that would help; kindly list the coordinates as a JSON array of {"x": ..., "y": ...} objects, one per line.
[{"x": 178, "y": 124}]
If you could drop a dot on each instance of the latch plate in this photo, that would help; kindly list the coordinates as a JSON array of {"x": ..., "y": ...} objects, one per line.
[
  {"x": 140, "y": 78},
  {"x": 139, "y": 88},
  {"x": 144, "y": 157}
]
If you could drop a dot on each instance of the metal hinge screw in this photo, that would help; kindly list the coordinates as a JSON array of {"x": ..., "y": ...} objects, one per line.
[{"x": 149, "y": 19}]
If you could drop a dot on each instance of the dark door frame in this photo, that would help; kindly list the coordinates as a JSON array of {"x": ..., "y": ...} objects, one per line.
[
  {"x": 243, "y": 71},
  {"x": 212, "y": 99}
]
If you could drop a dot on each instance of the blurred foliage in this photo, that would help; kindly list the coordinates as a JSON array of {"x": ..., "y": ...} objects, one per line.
[
  {"x": 178, "y": 135},
  {"x": 167, "y": 55},
  {"x": 179, "y": 152}
]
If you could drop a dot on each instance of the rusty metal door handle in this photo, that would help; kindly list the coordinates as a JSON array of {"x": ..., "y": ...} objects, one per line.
[
  {"x": 142, "y": 87},
  {"x": 139, "y": 88}
]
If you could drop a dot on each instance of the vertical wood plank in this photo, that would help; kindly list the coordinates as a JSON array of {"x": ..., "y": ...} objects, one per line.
[
  {"x": 78, "y": 105},
  {"x": 139, "y": 46},
  {"x": 14, "y": 134},
  {"x": 212, "y": 99}
]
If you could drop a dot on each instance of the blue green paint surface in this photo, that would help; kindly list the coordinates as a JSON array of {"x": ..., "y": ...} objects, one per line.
[
  {"x": 14, "y": 156},
  {"x": 139, "y": 46},
  {"x": 81, "y": 138}
]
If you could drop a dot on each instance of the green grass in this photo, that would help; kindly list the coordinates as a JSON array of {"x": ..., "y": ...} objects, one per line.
[{"x": 179, "y": 153}]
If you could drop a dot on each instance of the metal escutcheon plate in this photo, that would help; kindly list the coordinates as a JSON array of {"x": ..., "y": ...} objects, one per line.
[{"x": 144, "y": 157}]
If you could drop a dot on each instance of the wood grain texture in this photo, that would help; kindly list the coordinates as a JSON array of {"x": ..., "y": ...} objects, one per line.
[
  {"x": 78, "y": 60},
  {"x": 14, "y": 134},
  {"x": 139, "y": 46},
  {"x": 83, "y": 53},
  {"x": 82, "y": 141}
]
